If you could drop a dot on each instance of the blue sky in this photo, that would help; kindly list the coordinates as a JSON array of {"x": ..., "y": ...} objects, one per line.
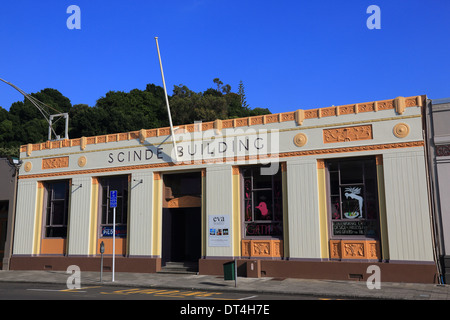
[{"x": 289, "y": 54}]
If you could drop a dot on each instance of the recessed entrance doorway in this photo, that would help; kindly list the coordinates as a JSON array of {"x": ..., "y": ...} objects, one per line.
[{"x": 181, "y": 222}]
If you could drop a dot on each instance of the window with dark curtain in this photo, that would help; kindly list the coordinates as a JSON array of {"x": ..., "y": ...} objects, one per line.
[
  {"x": 57, "y": 209},
  {"x": 120, "y": 184}
]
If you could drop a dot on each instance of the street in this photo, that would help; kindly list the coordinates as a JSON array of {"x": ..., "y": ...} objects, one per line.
[{"x": 49, "y": 291}]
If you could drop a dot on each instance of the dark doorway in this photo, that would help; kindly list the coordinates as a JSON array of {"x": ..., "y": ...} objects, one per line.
[
  {"x": 181, "y": 234},
  {"x": 181, "y": 222}
]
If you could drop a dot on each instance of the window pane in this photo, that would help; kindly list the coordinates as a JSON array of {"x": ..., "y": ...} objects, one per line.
[
  {"x": 57, "y": 209},
  {"x": 248, "y": 188},
  {"x": 352, "y": 202},
  {"x": 246, "y": 172},
  {"x": 248, "y": 210},
  {"x": 334, "y": 183},
  {"x": 59, "y": 190},
  {"x": 262, "y": 181},
  {"x": 263, "y": 205},
  {"x": 59, "y": 213},
  {"x": 119, "y": 184},
  {"x": 56, "y": 232},
  {"x": 263, "y": 229},
  {"x": 335, "y": 207},
  {"x": 351, "y": 172},
  {"x": 353, "y": 199}
]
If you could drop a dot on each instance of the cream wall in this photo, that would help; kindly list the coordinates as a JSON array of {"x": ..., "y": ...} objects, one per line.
[
  {"x": 407, "y": 207},
  {"x": 140, "y": 222},
  {"x": 79, "y": 216},
  {"x": 303, "y": 209},
  {"x": 25, "y": 218},
  {"x": 219, "y": 201}
]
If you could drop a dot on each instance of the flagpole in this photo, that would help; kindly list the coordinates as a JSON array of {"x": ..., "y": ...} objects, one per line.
[{"x": 167, "y": 102}]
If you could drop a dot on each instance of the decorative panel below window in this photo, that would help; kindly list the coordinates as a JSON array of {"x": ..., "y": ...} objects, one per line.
[
  {"x": 262, "y": 248},
  {"x": 355, "y": 249}
]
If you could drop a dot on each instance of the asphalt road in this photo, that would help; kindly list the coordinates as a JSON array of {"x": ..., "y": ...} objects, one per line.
[
  {"x": 41, "y": 291},
  {"x": 105, "y": 301}
]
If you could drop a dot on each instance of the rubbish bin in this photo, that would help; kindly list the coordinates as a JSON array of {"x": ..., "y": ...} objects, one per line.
[{"x": 228, "y": 271}]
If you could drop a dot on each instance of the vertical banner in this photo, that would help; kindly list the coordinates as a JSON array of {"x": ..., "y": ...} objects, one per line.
[{"x": 219, "y": 230}]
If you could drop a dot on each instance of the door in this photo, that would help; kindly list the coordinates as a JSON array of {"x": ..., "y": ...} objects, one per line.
[
  {"x": 181, "y": 234},
  {"x": 181, "y": 222}
]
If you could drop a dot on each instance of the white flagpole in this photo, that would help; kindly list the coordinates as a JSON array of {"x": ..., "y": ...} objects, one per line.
[{"x": 167, "y": 102}]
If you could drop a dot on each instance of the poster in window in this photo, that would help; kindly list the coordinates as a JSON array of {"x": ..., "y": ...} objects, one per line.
[
  {"x": 219, "y": 231},
  {"x": 353, "y": 203}
]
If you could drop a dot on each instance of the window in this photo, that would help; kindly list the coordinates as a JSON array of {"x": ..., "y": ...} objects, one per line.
[
  {"x": 120, "y": 184},
  {"x": 57, "y": 209},
  {"x": 262, "y": 197},
  {"x": 353, "y": 197}
]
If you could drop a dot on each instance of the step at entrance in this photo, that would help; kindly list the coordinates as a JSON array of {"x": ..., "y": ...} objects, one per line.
[{"x": 180, "y": 267}]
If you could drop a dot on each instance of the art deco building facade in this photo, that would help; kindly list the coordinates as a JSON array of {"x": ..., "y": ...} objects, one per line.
[{"x": 320, "y": 193}]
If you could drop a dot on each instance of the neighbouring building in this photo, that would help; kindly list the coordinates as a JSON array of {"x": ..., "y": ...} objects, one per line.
[
  {"x": 438, "y": 143},
  {"x": 8, "y": 184},
  {"x": 319, "y": 193}
]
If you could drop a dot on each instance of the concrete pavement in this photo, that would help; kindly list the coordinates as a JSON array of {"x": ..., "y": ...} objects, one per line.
[{"x": 322, "y": 288}]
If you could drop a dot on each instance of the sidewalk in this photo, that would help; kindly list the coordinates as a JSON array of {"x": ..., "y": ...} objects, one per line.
[{"x": 322, "y": 288}]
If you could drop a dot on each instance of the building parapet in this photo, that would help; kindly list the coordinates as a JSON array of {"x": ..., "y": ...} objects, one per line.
[{"x": 399, "y": 104}]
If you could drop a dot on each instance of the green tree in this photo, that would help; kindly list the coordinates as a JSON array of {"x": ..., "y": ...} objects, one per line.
[
  {"x": 218, "y": 83},
  {"x": 241, "y": 93},
  {"x": 29, "y": 124},
  {"x": 129, "y": 111}
]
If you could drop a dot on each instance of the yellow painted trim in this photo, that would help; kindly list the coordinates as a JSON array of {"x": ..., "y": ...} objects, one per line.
[
  {"x": 323, "y": 219},
  {"x": 93, "y": 218},
  {"x": 382, "y": 212},
  {"x": 236, "y": 215},
  {"x": 157, "y": 212},
  {"x": 38, "y": 218}
]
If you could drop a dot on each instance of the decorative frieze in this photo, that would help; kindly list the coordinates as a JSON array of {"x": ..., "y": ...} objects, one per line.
[
  {"x": 54, "y": 163},
  {"x": 345, "y": 134}
]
